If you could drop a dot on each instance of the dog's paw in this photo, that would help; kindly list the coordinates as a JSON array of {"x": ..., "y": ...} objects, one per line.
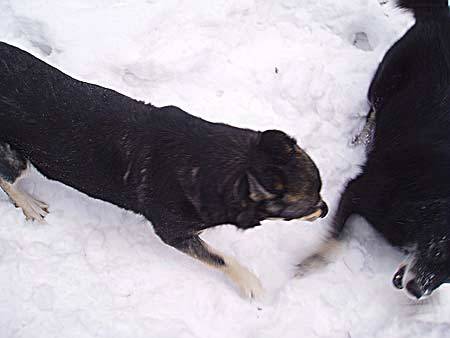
[
  {"x": 32, "y": 208},
  {"x": 248, "y": 284}
]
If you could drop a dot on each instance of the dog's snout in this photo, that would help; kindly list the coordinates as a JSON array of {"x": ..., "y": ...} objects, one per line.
[
  {"x": 320, "y": 210},
  {"x": 323, "y": 208},
  {"x": 414, "y": 290}
]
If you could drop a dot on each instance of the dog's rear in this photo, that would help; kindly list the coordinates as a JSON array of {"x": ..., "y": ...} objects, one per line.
[{"x": 403, "y": 190}]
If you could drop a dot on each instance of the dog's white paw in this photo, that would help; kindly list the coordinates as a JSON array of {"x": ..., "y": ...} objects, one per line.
[
  {"x": 32, "y": 208},
  {"x": 248, "y": 284}
]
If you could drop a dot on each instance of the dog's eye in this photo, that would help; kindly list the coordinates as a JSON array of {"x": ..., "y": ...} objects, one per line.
[{"x": 274, "y": 179}]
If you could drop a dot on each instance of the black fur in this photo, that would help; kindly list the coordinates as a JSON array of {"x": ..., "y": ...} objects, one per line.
[
  {"x": 196, "y": 247},
  {"x": 181, "y": 172},
  {"x": 12, "y": 164},
  {"x": 425, "y": 8},
  {"x": 404, "y": 188}
]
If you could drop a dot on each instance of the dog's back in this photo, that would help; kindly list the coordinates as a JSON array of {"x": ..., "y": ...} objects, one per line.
[
  {"x": 412, "y": 82},
  {"x": 87, "y": 136},
  {"x": 75, "y": 132},
  {"x": 52, "y": 118},
  {"x": 30, "y": 86}
]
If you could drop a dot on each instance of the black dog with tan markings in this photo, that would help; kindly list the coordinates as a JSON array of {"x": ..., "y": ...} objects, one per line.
[
  {"x": 182, "y": 173},
  {"x": 404, "y": 188}
]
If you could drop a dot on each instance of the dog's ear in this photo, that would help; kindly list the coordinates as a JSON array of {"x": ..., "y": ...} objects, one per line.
[
  {"x": 257, "y": 192},
  {"x": 278, "y": 145}
]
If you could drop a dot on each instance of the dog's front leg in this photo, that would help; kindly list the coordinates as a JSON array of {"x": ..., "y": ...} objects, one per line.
[
  {"x": 13, "y": 167},
  {"x": 248, "y": 284}
]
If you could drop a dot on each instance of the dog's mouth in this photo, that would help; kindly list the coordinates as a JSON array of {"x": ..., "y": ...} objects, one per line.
[
  {"x": 312, "y": 217},
  {"x": 319, "y": 211}
]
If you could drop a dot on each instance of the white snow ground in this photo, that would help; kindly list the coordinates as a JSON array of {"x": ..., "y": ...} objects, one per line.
[{"x": 97, "y": 271}]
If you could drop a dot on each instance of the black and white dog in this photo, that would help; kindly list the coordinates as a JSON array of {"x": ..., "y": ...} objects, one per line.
[
  {"x": 404, "y": 188},
  {"x": 182, "y": 173}
]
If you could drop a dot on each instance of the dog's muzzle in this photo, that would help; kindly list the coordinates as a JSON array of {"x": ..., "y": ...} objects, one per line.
[{"x": 321, "y": 212}]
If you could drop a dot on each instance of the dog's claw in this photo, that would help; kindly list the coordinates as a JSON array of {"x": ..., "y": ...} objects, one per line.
[
  {"x": 248, "y": 284},
  {"x": 33, "y": 209},
  {"x": 252, "y": 288}
]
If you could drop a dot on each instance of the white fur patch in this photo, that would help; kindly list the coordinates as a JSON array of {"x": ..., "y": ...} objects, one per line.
[
  {"x": 248, "y": 284},
  {"x": 32, "y": 208}
]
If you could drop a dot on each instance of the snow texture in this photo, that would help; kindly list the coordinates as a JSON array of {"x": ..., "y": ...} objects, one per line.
[{"x": 95, "y": 270}]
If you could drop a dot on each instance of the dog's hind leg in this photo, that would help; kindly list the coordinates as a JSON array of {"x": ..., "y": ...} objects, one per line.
[
  {"x": 12, "y": 167},
  {"x": 248, "y": 284}
]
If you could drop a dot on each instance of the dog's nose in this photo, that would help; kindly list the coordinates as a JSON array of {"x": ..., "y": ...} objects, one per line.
[
  {"x": 398, "y": 278},
  {"x": 324, "y": 208},
  {"x": 414, "y": 289}
]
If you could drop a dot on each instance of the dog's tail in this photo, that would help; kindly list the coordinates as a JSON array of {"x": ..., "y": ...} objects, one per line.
[{"x": 425, "y": 8}]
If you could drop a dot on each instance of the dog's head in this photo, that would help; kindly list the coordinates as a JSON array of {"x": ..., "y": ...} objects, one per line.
[
  {"x": 428, "y": 265},
  {"x": 283, "y": 182}
]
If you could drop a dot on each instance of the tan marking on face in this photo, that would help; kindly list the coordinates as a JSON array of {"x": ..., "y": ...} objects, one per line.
[
  {"x": 312, "y": 217},
  {"x": 279, "y": 186},
  {"x": 292, "y": 198}
]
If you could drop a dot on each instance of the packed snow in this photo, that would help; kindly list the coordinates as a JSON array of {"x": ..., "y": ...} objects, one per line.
[{"x": 304, "y": 67}]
